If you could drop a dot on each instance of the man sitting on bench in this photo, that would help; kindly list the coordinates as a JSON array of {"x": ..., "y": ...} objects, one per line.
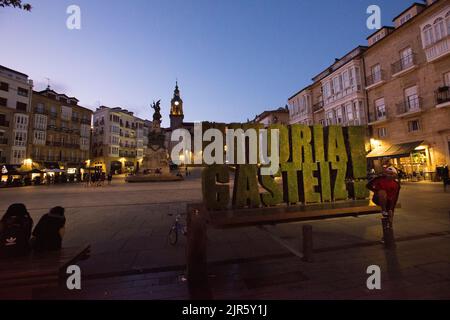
[
  {"x": 386, "y": 190},
  {"x": 48, "y": 233},
  {"x": 15, "y": 231}
]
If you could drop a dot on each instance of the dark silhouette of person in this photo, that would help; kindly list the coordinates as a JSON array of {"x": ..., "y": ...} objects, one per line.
[
  {"x": 49, "y": 231},
  {"x": 15, "y": 231}
]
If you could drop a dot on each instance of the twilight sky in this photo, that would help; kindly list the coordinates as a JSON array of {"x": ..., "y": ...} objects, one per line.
[{"x": 233, "y": 58}]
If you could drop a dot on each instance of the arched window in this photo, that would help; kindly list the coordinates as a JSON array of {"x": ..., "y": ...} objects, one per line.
[
  {"x": 428, "y": 35},
  {"x": 447, "y": 19},
  {"x": 439, "y": 29}
]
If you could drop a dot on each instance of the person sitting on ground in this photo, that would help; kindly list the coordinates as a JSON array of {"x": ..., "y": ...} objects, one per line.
[
  {"x": 15, "y": 231},
  {"x": 386, "y": 189},
  {"x": 48, "y": 233}
]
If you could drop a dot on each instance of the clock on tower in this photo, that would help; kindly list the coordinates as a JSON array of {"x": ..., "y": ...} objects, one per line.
[{"x": 176, "y": 109}]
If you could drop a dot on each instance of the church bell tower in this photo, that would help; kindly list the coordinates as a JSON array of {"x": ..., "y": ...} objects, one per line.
[{"x": 176, "y": 109}]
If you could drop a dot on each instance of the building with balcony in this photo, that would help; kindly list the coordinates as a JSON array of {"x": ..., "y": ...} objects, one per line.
[
  {"x": 118, "y": 140},
  {"x": 407, "y": 84},
  {"x": 15, "y": 102},
  {"x": 60, "y": 131},
  {"x": 336, "y": 96}
]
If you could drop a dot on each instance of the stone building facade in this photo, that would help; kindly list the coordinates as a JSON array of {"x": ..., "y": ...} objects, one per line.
[
  {"x": 15, "y": 105},
  {"x": 407, "y": 85},
  {"x": 60, "y": 131}
]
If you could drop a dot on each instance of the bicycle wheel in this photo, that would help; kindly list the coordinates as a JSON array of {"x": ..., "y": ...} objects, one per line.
[{"x": 173, "y": 235}]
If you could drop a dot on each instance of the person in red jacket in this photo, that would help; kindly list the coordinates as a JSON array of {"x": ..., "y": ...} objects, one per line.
[{"x": 386, "y": 189}]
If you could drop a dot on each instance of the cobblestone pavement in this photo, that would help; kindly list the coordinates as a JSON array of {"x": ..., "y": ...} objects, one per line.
[{"x": 127, "y": 227}]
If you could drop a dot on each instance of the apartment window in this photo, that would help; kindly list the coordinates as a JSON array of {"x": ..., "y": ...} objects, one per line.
[
  {"x": 380, "y": 108},
  {"x": 411, "y": 98},
  {"x": 18, "y": 156},
  {"x": 21, "y": 122},
  {"x": 22, "y": 92},
  {"x": 406, "y": 56},
  {"x": 21, "y": 106},
  {"x": 405, "y": 18},
  {"x": 345, "y": 79},
  {"x": 447, "y": 20},
  {"x": 376, "y": 73},
  {"x": 3, "y": 102},
  {"x": 40, "y": 122},
  {"x": 66, "y": 113},
  {"x": 439, "y": 28},
  {"x": 4, "y": 86},
  {"x": 330, "y": 118},
  {"x": 20, "y": 139},
  {"x": 322, "y": 122},
  {"x": 337, "y": 85},
  {"x": 382, "y": 132},
  {"x": 428, "y": 36},
  {"x": 339, "y": 116},
  {"x": 413, "y": 126},
  {"x": 39, "y": 137},
  {"x": 447, "y": 79},
  {"x": 349, "y": 112}
]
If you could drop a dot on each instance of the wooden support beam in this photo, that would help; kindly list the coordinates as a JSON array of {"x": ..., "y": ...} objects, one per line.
[{"x": 196, "y": 256}]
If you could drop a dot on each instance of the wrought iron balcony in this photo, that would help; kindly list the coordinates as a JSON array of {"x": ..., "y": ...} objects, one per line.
[
  {"x": 378, "y": 115},
  {"x": 375, "y": 78},
  {"x": 404, "y": 63},
  {"x": 410, "y": 105},
  {"x": 317, "y": 106},
  {"x": 442, "y": 95}
]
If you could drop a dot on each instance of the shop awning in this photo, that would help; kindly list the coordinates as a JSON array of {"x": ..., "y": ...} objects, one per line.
[{"x": 395, "y": 151}]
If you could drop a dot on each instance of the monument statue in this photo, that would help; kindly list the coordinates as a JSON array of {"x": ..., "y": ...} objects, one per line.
[
  {"x": 157, "y": 114},
  {"x": 155, "y": 163}
]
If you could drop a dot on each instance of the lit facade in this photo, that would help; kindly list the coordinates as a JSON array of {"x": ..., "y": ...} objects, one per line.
[
  {"x": 118, "y": 140},
  {"x": 60, "y": 131},
  {"x": 15, "y": 106}
]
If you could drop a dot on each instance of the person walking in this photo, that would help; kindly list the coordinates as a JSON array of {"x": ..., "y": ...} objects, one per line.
[{"x": 109, "y": 178}]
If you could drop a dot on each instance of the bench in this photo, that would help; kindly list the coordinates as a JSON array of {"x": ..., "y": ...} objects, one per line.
[
  {"x": 38, "y": 268},
  {"x": 199, "y": 219}
]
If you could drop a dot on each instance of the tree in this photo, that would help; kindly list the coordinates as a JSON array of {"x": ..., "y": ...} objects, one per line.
[{"x": 15, "y": 4}]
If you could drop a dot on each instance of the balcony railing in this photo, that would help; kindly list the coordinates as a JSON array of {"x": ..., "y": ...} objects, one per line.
[
  {"x": 404, "y": 63},
  {"x": 438, "y": 49},
  {"x": 52, "y": 127},
  {"x": 442, "y": 95},
  {"x": 375, "y": 78},
  {"x": 53, "y": 115},
  {"x": 40, "y": 111},
  {"x": 4, "y": 123},
  {"x": 53, "y": 143},
  {"x": 411, "y": 104},
  {"x": 3, "y": 141},
  {"x": 317, "y": 106},
  {"x": 378, "y": 115},
  {"x": 127, "y": 155}
]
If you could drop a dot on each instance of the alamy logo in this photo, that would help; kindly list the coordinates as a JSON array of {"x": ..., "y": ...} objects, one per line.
[
  {"x": 374, "y": 20},
  {"x": 73, "y": 21},
  {"x": 74, "y": 279},
  {"x": 374, "y": 280}
]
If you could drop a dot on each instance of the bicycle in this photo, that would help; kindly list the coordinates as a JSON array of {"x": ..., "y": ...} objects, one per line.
[{"x": 175, "y": 229}]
